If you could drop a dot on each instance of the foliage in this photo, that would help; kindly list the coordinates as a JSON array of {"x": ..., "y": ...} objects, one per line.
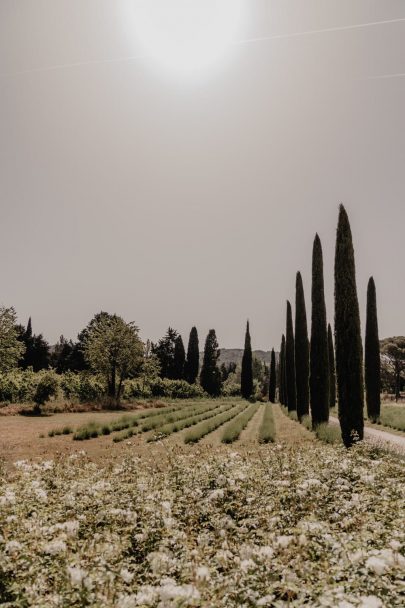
[
  {"x": 393, "y": 355},
  {"x": 319, "y": 366},
  {"x": 210, "y": 377},
  {"x": 290, "y": 362},
  {"x": 47, "y": 387},
  {"x": 267, "y": 430},
  {"x": 246, "y": 383},
  {"x": 348, "y": 345},
  {"x": 37, "y": 355},
  {"x": 164, "y": 351},
  {"x": 11, "y": 348},
  {"x": 179, "y": 359},
  {"x": 113, "y": 349},
  {"x": 193, "y": 357},
  {"x": 282, "y": 386},
  {"x": 301, "y": 349},
  {"x": 332, "y": 369},
  {"x": 231, "y": 386},
  {"x": 372, "y": 367},
  {"x": 393, "y": 416},
  {"x": 273, "y": 378}
]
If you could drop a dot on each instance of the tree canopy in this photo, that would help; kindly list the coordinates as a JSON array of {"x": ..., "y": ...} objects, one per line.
[{"x": 11, "y": 348}]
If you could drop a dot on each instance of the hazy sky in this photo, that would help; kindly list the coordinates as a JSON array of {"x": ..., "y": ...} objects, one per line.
[{"x": 194, "y": 199}]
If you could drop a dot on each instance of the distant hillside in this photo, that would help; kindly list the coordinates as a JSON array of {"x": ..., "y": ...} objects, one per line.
[{"x": 234, "y": 355}]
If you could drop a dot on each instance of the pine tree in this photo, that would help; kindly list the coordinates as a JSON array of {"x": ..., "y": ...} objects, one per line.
[
  {"x": 193, "y": 357},
  {"x": 179, "y": 359},
  {"x": 348, "y": 343},
  {"x": 319, "y": 366},
  {"x": 273, "y": 379},
  {"x": 290, "y": 362},
  {"x": 246, "y": 377},
  {"x": 301, "y": 350},
  {"x": 210, "y": 377},
  {"x": 332, "y": 370},
  {"x": 372, "y": 356}
]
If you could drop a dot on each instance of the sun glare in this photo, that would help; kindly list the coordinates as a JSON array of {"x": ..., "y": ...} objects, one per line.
[{"x": 188, "y": 37}]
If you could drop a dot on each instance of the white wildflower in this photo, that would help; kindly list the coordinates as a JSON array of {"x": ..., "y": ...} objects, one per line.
[
  {"x": 283, "y": 541},
  {"x": 12, "y": 546},
  {"x": 202, "y": 574},
  {"x": 376, "y": 564},
  {"x": 126, "y": 575},
  {"x": 371, "y": 601},
  {"x": 55, "y": 547},
  {"x": 77, "y": 575}
]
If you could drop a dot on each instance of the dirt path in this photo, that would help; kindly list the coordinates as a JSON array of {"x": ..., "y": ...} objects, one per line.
[
  {"x": 376, "y": 435},
  {"x": 251, "y": 432},
  {"x": 289, "y": 431}
]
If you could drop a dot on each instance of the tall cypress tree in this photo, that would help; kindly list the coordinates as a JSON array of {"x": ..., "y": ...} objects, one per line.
[
  {"x": 332, "y": 370},
  {"x": 246, "y": 377},
  {"x": 372, "y": 356},
  {"x": 319, "y": 366},
  {"x": 290, "y": 362},
  {"x": 282, "y": 387},
  {"x": 210, "y": 377},
  {"x": 301, "y": 350},
  {"x": 348, "y": 344},
  {"x": 193, "y": 357},
  {"x": 179, "y": 359},
  {"x": 273, "y": 379}
]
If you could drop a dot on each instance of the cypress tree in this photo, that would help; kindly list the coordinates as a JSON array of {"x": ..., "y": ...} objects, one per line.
[
  {"x": 290, "y": 362},
  {"x": 332, "y": 370},
  {"x": 210, "y": 377},
  {"x": 246, "y": 377},
  {"x": 272, "y": 380},
  {"x": 301, "y": 350},
  {"x": 179, "y": 359},
  {"x": 319, "y": 366},
  {"x": 348, "y": 336},
  {"x": 282, "y": 391},
  {"x": 372, "y": 356},
  {"x": 193, "y": 357}
]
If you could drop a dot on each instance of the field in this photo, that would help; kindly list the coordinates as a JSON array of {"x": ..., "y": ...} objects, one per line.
[{"x": 155, "y": 521}]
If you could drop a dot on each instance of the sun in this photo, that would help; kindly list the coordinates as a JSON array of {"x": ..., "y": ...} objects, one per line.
[{"x": 187, "y": 37}]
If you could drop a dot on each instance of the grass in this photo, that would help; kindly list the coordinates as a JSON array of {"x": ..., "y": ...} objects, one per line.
[
  {"x": 393, "y": 416},
  {"x": 207, "y": 426},
  {"x": 267, "y": 430},
  {"x": 66, "y": 430},
  {"x": 233, "y": 430},
  {"x": 329, "y": 433}
]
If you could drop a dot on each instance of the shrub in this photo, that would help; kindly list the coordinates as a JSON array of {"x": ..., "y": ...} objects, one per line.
[
  {"x": 267, "y": 431},
  {"x": 47, "y": 387},
  {"x": 233, "y": 430},
  {"x": 207, "y": 426}
]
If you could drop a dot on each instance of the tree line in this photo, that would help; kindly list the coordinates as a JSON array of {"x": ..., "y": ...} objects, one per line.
[{"x": 316, "y": 371}]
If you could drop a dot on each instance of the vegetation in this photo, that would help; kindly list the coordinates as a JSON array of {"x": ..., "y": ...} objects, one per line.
[
  {"x": 372, "y": 365},
  {"x": 210, "y": 377},
  {"x": 319, "y": 365},
  {"x": 207, "y": 426},
  {"x": 349, "y": 357},
  {"x": 234, "y": 428},
  {"x": 246, "y": 384},
  {"x": 301, "y": 350},
  {"x": 179, "y": 359},
  {"x": 164, "y": 351},
  {"x": 36, "y": 355},
  {"x": 113, "y": 349},
  {"x": 11, "y": 348},
  {"x": 46, "y": 388},
  {"x": 282, "y": 381},
  {"x": 183, "y": 423},
  {"x": 393, "y": 416},
  {"x": 193, "y": 357},
  {"x": 290, "y": 362},
  {"x": 267, "y": 430},
  {"x": 273, "y": 378},
  {"x": 332, "y": 369},
  {"x": 393, "y": 353}
]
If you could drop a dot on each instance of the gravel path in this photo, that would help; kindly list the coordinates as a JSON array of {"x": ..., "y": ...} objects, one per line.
[{"x": 377, "y": 436}]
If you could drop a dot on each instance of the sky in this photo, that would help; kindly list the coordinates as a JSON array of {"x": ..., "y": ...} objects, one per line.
[{"x": 192, "y": 196}]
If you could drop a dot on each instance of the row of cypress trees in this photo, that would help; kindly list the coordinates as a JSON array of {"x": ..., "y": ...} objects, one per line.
[{"x": 309, "y": 370}]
